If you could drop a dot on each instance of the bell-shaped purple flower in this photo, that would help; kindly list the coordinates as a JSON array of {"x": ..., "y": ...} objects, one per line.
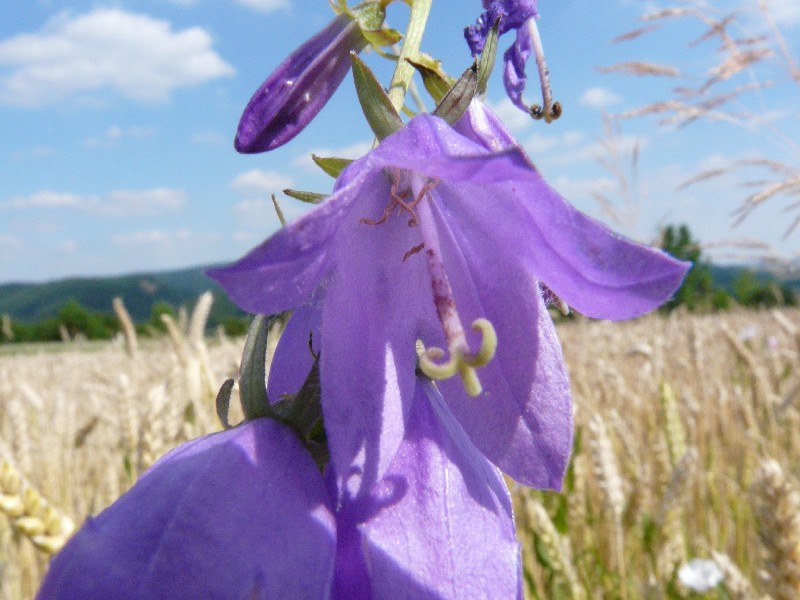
[
  {"x": 518, "y": 15},
  {"x": 238, "y": 514},
  {"x": 246, "y": 514},
  {"x": 436, "y": 228},
  {"x": 298, "y": 89}
]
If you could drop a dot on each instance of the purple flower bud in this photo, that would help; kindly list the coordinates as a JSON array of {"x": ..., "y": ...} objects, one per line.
[{"x": 298, "y": 89}]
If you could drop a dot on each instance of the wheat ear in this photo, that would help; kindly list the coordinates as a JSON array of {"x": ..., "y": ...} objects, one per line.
[
  {"x": 778, "y": 510},
  {"x": 30, "y": 514}
]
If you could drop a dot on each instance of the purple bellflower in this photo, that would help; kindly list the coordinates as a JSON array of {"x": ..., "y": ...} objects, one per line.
[
  {"x": 518, "y": 15},
  {"x": 239, "y": 514},
  {"x": 246, "y": 514},
  {"x": 436, "y": 228},
  {"x": 298, "y": 89}
]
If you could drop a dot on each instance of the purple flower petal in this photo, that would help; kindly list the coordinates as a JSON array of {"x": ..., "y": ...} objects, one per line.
[
  {"x": 438, "y": 525},
  {"x": 599, "y": 273},
  {"x": 375, "y": 304},
  {"x": 281, "y": 273},
  {"x": 238, "y": 514},
  {"x": 523, "y": 420},
  {"x": 512, "y": 14},
  {"x": 293, "y": 359},
  {"x": 482, "y": 125},
  {"x": 514, "y": 61},
  {"x": 298, "y": 89}
]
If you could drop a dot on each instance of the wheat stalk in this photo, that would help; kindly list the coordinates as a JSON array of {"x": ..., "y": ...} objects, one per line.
[
  {"x": 778, "y": 509},
  {"x": 128, "y": 328}
]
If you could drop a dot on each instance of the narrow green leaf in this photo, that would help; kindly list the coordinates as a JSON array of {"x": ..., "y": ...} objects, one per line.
[
  {"x": 456, "y": 101},
  {"x": 331, "y": 165},
  {"x": 487, "y": 58},
  {"x": 381, "y": 115},
  {"x": 310, "y": 197}
]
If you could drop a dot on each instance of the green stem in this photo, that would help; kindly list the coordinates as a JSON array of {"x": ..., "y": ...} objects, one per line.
[{"x": 413, "y": 39}]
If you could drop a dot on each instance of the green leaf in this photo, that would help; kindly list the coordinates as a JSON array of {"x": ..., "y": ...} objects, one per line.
[
  {"x": 310, "y": 197},
  {"x": 433, "y": 77},
  {"x": 332, "y": 166},
  {"x": 381, "y": 115},
  {"x": 382, "y": 37},
  {"x": 457, "y": 100}
]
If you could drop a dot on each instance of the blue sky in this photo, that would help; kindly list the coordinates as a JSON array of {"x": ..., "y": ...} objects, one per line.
[{"x": 118, "y": 119}]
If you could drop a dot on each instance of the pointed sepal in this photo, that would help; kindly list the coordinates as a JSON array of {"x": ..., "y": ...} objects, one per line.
[
  {"x": 307, "y": 197},
  {"x": 435, "y": 80},
  {"x": 378, "y": 110},
  {"x": 331, "y": 165},
  {"x": 457, "y": 100},
  {"x": 487, "y": 58}
]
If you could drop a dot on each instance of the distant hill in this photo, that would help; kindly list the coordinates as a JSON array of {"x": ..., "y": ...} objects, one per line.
[{"x": 34, "y": 302}]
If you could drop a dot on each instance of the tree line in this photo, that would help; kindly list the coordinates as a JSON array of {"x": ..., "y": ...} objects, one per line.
[{"x": 75, "y": 321}]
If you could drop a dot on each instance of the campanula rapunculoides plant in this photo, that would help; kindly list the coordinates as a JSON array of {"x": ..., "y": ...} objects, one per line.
[{"x": 419, "y": 362}]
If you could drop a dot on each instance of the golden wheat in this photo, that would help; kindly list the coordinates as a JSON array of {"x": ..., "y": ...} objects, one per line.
[{"x": 668, "y": 475}]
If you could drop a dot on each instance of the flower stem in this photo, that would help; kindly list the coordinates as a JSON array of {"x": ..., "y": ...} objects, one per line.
[{"x": 420, "y": 9}]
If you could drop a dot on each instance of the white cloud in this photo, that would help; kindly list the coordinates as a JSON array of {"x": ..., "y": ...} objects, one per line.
[
  {"x": 46, "y": 199},
  {"x": 573, "y": 147},
  {"x": 538, "y": 144},
  {"x": 115, "y": 133},
  {"x": 75, "y": 57},
  {"x": 512, "y": 116},
  {"x": 785, "y": 12},
  {"x": 33, "y": 153},
  {"x": 118, "y": 203},
  {"x": 576, "y": 190},
  {"x": 211, "y": 137},
  {"x": 265, "y": 5},
  {"x": 150, "y": 237},
  {"x": 9, "y": 240},
  {"x": 599, "y": 97},
  {"x": 257, "y": 182}
]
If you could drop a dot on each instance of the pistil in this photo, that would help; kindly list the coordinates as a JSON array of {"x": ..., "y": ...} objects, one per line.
[{"x": 461, "y": 360}]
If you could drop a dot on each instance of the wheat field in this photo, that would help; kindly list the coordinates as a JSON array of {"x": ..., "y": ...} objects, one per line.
[{"x": 687, "y": 445}]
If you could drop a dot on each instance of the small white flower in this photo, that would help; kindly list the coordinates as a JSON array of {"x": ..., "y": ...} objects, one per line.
[{"x": 700, "y": 574}]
